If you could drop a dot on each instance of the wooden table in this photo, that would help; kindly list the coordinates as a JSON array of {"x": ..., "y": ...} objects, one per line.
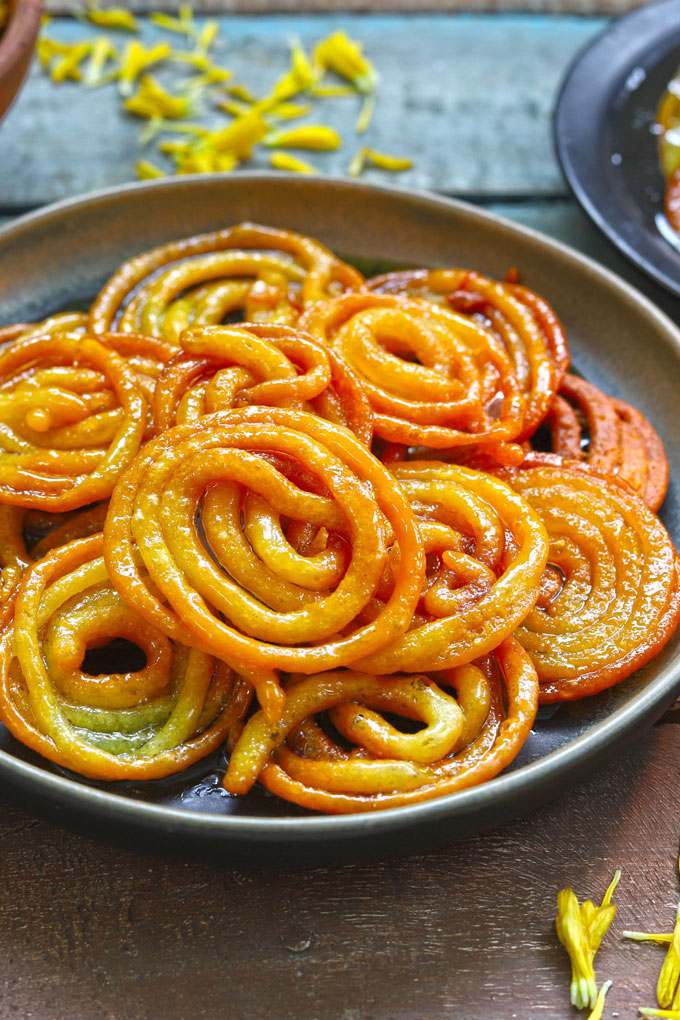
[{"x": 95, "y": 932}]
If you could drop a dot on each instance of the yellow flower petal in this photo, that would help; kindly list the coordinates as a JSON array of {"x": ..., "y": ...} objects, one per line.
[
  {"x": 103, "y": 51},
  {"x": 387, "y": 162},
  {"x": 598, "y": 1008},
  {"x": 146, "y": 171},
  {"x": 670, "y": 971},
  {"x": 136, "y": 58},
  {"x": 240, "y": 136},
  {"x": 284, "y": 161},
  {"x": 311, "y": 136},
  {"x": 574, "y": 938},
  {"x": 642, "y": 936},
  {"x": 152, "y": 100},
  {"x": 111, "y": 17},
  {"x": 344, "y": 56},
  {"x": 365, "y": 115}
]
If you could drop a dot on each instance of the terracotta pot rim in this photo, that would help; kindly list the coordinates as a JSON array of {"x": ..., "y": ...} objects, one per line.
[{"x": 19, "y": 34}]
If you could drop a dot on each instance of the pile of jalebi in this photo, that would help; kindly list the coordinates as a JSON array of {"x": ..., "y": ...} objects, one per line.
[{"x": 255, "y": 501}]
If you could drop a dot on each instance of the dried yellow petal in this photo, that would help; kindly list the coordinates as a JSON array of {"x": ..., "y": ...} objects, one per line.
[
  {"x": 665, "y": 1014},
  {"x": 345, "y": 57},
  {"x": 240, "y": 136},
  {"x": 365, "y": 115},
  {"x": 136, "y": 59},
  {"x": 387, "y": 162},
  {"x": 110, "y": 17},
  {"x": 152, "y": 100},
  {"x": 289, "y": 111},
  {"x": 103, "y": 51},
  {"x": 146, "y": 171},
  {"x": 69, "y": 65},
  {"x": 300, "y": 76},
  {"x": 670, "y": 971},
  {"x": 284, "y": 161},
  {"x": 643, "y": 936},
  {"x": 207, "y": 35},
  {"x": 598, "y": 1008},
  {"x": 239, "y": 91},
  {"x": 574, "y": 938},
  {"x": 183, "y": 25},
  {"x": 311, "y": 136},
  {"x": 332, "y": 91},
  {"x": 357, "y": 164}
]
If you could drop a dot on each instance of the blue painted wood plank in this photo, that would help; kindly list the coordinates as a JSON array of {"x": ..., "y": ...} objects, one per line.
[{"x": 468, "y": 97}]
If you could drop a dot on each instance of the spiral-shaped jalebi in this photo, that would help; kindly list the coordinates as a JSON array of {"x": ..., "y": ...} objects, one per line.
[
  {"x": 466, "y": 740},
  {"x": 251, "y": 592},
  {"x": 329, "y": 511},
  {"x": 140, "y": 723},
  {"x": 72, "y": 416},
  {"x": 611, "y": 597},
  {"x": 609, "y": 435},
  {"x": 223, "y": 367},
  {"x": 486, "y": 552},
  {"x": 523, "y": 321},
  {"x": 268, "y": 274},
  {"x": 434, "y": 378}
]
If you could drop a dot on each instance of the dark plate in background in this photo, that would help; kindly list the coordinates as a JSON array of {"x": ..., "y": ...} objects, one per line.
[
  {"x": 61, "y": 256},
  {"x": 604, "y": 139}
]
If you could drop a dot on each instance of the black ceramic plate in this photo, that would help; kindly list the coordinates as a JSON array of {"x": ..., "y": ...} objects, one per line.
[
  {"x": 61, "y": 256},
  {"x": 604, "y": 139}
]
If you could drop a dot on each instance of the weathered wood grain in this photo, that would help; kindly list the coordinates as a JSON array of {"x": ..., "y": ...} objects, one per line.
[
  {"x": 102, "y": 933},
  {"x": 469, "y": 98},
  {"x": 404, "y": 6}
]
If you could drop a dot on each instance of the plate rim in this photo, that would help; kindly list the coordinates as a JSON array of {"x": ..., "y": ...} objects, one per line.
[
  {"x": 575, "y": 755},
  {"x": 588, "y": 197}
]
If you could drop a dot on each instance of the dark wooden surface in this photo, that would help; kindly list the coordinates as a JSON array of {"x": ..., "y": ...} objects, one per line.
[{"x": 93, "y": 931}]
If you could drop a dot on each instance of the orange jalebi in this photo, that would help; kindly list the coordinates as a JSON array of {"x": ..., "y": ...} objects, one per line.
[
  {"x": 221, "y": 367},
  {"x": 140, "y": 723},
  {"x": 434, "y": 378},
  {"x": 611, "y": 599},
  {"x": 486, "y": 551},
  {"x": 268, "y": 274},
  {"x": 72, "y": 417},
  {"x": 479, "y": 733},
  {"x": 250, "y": 592},
  {"x": 523, "y": 321},
  {"x": 259, "y": 545},
  {"x": 619, "y": 440}
]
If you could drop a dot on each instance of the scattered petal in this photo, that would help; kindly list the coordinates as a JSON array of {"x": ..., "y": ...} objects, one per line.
[
  {"x": 345, "y": 57},
  {"x": 598, "y": 1008},
  {"x": 284, "y": 161},
  {"x": 146, "y": 171},
  {"x": 110, "y": 17},
  {"x": 311, "y": 136}
]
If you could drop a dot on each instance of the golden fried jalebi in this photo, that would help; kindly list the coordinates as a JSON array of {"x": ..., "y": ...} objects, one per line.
[
  {"x": 268, "y": 274},
  {"x": 433, "y": 377},
  {"x": 72, "y": 416},
  {"x": 26, "y": 535},
  {"x": 254, "y": 593},
  {"x": 486, "y": 552},
  {"x": 525, "y": 324},
  {"x": 471, "y": 737},
  {"x": 221, "y": 367},
  {"x": 328, "y": 511},
  {"x": 620, "y": 440},
  {"x": 143, "y": 723},
  {"x": 611, "y": 599}
]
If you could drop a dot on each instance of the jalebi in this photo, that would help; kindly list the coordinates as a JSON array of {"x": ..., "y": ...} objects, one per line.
[
  {"x": 268, "y": 274},
  {"x": 610, "y": 435},
  {"x": 433, "y": 377},
  {"x": 140, "y": 723},
  {"x": 250, "y": 592},
  {"x": 611, "y": 598},
  {"x": 523, "y": 321},
  {"x": 474, "y": 736},
  {"x": 222, "y": 367}
]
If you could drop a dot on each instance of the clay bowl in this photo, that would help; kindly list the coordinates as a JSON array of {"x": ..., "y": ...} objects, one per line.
[{"x": 17, "y": 43}]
